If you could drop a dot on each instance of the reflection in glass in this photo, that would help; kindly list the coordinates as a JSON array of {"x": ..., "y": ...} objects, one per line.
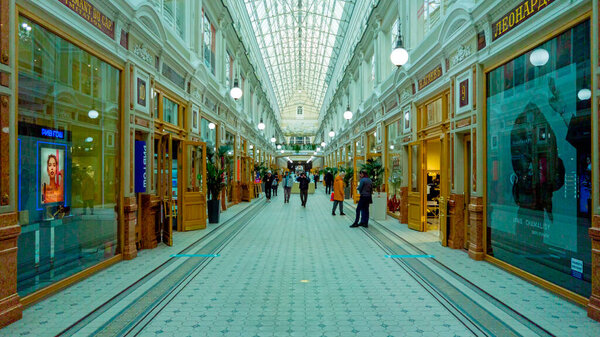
[
  {"x": 68, "y": 161},
  {"x": 539, "y": 159}
]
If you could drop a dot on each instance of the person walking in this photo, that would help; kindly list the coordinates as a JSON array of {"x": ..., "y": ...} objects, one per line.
[
  {"x": 304, "y": 182},
  {"x": 268, "y": 180},
  {"x": 287, "y": 182},
  {"x": 365, "y": 189},
  {"x": 316, "y": 179},
  {"x": 275, "y": 184},
  {"x": 338, "y": 193}
]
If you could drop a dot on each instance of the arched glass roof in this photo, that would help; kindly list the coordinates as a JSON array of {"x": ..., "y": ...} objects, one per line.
[{"x": 299, "y": 41}]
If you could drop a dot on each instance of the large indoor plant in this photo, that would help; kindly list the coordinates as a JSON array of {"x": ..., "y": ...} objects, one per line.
[
  {"x": 348, "y": 178},
  {"x": 375, "y": 171},
  {"x": 215, "y": 182}
]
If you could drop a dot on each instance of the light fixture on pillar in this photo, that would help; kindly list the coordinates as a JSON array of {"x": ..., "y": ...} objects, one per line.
[
  {"x": 539, "y": 57},
  {"x": 273, "y": 139},
  {"x": 211, "y": 125},
  {"x": 331, "y": 133},
  {"x": 261, "y": 125},
  {"x": 323, "y": 144},
  {"x": 399, "y": 55},
  {"x": 585, "y": 93}
]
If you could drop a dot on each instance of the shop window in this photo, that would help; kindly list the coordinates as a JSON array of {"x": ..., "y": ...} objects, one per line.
[
  {"x": 209, "y": 44},
  {"x": 539, "y": 184},
  {"x": 208, "y": 135},
  {"x": 394, "y": 166},
  {"x": 68, "y": 131},
  {"x": 170, "y": 111}
]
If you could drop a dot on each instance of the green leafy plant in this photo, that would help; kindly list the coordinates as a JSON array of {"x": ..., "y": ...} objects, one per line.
[
  {"x": 349, "y": 175},
  {"x": 215, "y": 181},
  {"x": 375, "y": 171},
  {"x": 296, "y": 148}
]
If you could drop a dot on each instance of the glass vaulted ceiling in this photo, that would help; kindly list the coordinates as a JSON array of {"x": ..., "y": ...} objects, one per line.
[{"x": 299, "y": 41}]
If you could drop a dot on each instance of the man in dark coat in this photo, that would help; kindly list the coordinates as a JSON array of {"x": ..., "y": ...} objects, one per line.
[
  {"x": 268, "y": 180},
  {"x": 328, "y": 182},
  {"x": 304, "y": 182},
  {"x": 365, "y": 188}
]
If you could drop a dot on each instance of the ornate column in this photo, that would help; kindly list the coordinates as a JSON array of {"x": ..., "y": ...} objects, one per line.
[{"x": 10, "y": 304}]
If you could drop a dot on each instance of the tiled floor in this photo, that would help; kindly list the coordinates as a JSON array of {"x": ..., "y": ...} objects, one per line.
[{"x": 294, "y": 271}]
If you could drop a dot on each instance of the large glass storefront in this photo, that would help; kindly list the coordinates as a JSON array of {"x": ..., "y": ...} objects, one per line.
[
  {"x": 394, "y": 165},
  {"x": 539, "y": 161},
  {"x": 68, "y": 158}
]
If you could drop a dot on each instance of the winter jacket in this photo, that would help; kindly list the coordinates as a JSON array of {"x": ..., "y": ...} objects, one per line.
[
  {"x": 304, "y": 182},
  {"x": 338, "y": 189},
  {"x": 365, "y": 187},
  {"x": 288, "y": 182}
]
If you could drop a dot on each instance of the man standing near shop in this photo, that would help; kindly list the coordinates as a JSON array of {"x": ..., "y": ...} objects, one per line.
[
  {"x": 365, "y": 189},
  {"x": 316, "y": 179},
  {"x": 304, "y": 182},
  {"x": 328, "y": 182},
  {"x": 268, "y": 180}
]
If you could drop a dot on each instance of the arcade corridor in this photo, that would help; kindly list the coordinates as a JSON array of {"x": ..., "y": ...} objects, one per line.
[{"x": 283, "y": 270}]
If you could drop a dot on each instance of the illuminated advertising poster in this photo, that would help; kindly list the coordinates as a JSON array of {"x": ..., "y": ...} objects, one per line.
[{"x": 52, "y": 174}]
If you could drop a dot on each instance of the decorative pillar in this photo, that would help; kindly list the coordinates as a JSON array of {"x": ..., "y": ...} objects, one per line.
[
  {"x": 476, "y": 228},
  {"x": 10, "y": 304},
  {"x": 11, "y": 309},
  {"x": 456, "y": 230},
  {"x": 129, "y": 222}
]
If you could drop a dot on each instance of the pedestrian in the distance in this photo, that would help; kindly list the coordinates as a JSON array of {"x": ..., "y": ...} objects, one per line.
[
  {"x": 316, "y": 179},
  {"x": 365, "y": 189},
  {"x": 288, "y": 183},
  {"x": 338, "y": 193},
  {"x": 304, "y": 182},
  {"x": 328, "y": 182},
  {"x": 268, "y": 180},
  {"x": 275, "y": 184}
]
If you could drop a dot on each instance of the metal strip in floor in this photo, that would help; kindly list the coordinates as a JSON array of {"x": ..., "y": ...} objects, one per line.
[{"x": 446, "y": 293}]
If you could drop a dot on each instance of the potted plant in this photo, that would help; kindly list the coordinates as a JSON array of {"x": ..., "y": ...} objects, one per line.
[
  {"x": 376, "y": 172},
  {"x": 215, "y": 182},
  {"x": 348, "y": 178}
]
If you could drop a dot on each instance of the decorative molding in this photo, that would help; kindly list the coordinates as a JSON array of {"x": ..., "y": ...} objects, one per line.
[
  {"x": 143, "y": 53},
  {"x": 462, "y": 53}
]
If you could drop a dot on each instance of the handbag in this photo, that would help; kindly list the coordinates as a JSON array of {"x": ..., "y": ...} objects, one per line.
[{"x": 331, "y": 197}]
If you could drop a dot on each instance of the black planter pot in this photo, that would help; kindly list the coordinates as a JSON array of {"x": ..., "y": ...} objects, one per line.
[
  {"x": 347, "y": 192},
  {"x": 214, "y": 210}
]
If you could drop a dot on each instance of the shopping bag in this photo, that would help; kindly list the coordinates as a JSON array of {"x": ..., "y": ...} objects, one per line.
[{"x": 331, "y": 197}]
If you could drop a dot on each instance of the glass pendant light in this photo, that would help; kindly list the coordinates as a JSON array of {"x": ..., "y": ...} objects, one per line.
[
  {"x": 261, "y": 125},
  {"x": 399, "y": 55},
  {"x": 331, "y": 133}
]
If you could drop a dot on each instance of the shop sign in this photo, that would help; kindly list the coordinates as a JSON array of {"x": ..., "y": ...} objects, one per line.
[
  {"x": 577, "y": 268},
  {"x": 517, "y": 16},
  {"x": 140, "y": 166},
  {"x": 430, "y": 77},
  {"x": 92, "y": 15}
]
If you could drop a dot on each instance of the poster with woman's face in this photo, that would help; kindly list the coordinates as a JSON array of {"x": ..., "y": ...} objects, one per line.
[{"x": 52, "y": 168}]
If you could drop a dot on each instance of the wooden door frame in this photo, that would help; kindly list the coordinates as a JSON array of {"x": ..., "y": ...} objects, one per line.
[{"x": 466, "y": 145}]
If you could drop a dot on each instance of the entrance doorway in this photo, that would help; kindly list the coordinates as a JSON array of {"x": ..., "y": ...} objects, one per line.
[{"x": 432, "y": 178}]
